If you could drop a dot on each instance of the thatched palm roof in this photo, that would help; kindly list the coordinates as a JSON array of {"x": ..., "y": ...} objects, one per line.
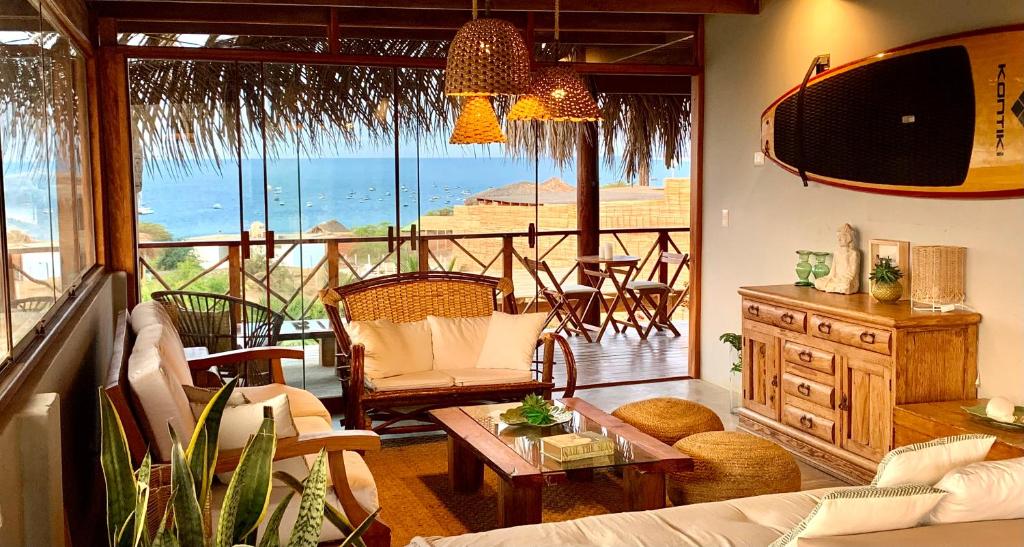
[{"x": 187, "y": 111}]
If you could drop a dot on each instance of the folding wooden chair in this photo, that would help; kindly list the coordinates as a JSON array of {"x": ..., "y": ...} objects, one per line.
[
  {"x": 569, "y": 303},
  {"x": 618, "y": 271},
  {"x": 658, "y": 300}
]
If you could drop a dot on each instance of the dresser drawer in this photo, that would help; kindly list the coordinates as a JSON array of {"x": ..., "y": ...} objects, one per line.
[
  {"x": 781, "y": 317},
  {"x": 815, "y": 392},
  {"x": 851, "y": 334},
  {"x": 809, "y": 423},
  {"x": 813, "y": 358}
]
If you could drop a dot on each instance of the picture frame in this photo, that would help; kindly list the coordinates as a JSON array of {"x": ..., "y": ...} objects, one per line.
[{"x": 899, "y": 252}]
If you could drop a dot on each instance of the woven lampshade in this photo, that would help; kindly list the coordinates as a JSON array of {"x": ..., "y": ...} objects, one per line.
[
  {"x": 487, "y": 57},
  {"x": 528, "y": 107},
  {"x": 938, "y": 275},
  {"x": 564, "y": 95},
  {"x": 477, "y": 123}
]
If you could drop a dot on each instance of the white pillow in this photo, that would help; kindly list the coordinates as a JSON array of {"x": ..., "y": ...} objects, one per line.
[
  {"x": 981, "y": 491},
  {"x": 239, "y": 422},
  {"x": 457, "y": 341},
  {"x": 926, "y": 463},
  {"x": 199, "y": 397},
  {"x": 864, "y": 509},
  {"x": 393, "y": 348},
  {"x": 511, "y": 340}
]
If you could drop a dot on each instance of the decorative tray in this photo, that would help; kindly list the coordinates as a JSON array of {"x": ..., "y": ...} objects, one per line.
[{"x": 978, "y": 411}]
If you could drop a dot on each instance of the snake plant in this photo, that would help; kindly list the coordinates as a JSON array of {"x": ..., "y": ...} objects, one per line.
[{"x": 192, "y": 472}]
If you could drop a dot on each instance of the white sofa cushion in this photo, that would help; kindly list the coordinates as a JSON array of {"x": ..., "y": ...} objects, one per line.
[
  {"x": 392, "y": 348},
  {"x": 981, "y": 491},
  {"x": 457, "y": 341},
  {"x": 746, "y": 521},
  {"x": 412, "y": 380},
  {"x": 240, "y": 422},
  {"x": 927, "y": 462},
  {"x": 159, "y": 391},
  {"x": 864, "y": 509},
  {"x": 487, "y": 376},
  {"x": 301, "y": 402},
  {"x": 511, "y": 340},
  {"x": 150, "y": 313}
]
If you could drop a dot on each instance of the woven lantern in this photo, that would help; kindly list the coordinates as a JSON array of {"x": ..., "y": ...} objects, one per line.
[
  {"x": 487, "y": 57},
  {"x": 528, "y": 107},
  {"x": 938, "y": 275},
  {"x": 564, "y": 95},
  {"x": 477, "y": 123}
]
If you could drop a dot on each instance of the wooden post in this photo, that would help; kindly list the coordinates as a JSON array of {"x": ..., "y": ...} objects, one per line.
[
  {"x": 696, "y": 202},
  {"x": 506, "y": 257},
  {"x": 662, "y": 275},
  {"x": 332, "y": 253},
  {"x": 116, "y": 156},
  {"x": 588, "y": 212},
  {"x": 423, "y": 248}
]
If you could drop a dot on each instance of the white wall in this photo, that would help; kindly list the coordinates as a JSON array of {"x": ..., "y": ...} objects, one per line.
[{"x": 751, "y": 60}]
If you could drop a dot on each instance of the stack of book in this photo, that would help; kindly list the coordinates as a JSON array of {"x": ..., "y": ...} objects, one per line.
[{"x": 577, "y": 446}]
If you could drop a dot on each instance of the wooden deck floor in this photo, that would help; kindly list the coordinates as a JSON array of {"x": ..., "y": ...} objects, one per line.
[{"x": 617, "y": 358}]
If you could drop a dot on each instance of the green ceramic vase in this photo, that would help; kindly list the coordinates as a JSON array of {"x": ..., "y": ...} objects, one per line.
[{"x": 820, "y": 268}]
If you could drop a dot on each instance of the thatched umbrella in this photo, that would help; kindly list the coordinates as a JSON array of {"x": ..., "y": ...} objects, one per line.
[{"x": 186, "y": 111}]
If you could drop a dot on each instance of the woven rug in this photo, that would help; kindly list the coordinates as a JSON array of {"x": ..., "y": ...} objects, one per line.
[{"x": 412, "y": 481}]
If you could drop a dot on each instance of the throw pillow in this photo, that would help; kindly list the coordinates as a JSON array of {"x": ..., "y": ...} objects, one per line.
[
  {"x": 864, "y": 509},
  {"x": 457, "y": 341},
  {"x": 981, "y": 491},
  {"x": 511, "y": 340},
  {"x": 239, "y": 422},
  {"x": 926, "y": 463},
  {"x": 199, "y": 397},
  {"x": 392, "y": 348}
]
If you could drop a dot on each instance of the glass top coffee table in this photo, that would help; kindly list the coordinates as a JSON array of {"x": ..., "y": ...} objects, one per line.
[{"x": 476, "y": 436}]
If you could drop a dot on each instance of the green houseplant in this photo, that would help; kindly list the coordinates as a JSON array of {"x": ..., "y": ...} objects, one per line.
[
  {"x": 885, "y": 281},
  {"x": 735, "y": 343},
  {"x": 184, "y": 522}
]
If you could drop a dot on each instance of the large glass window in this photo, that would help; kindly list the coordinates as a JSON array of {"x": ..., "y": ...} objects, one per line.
[{"x": 47, "y": 187}]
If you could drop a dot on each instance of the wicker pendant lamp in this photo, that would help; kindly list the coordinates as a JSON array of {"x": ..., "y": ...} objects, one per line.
[
  {"x": 487, "y": 57},
  {"x": 556, "y": 94},
  {"x": 477, "y": 123}
]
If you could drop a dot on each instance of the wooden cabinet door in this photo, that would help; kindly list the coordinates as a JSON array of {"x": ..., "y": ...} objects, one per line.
[
  {"x": 865, "y": 408},
  {"x": 761, "y": 373}
]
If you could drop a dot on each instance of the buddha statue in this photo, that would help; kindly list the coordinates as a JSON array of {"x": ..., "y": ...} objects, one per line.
[{"x": 845, "y": 275}]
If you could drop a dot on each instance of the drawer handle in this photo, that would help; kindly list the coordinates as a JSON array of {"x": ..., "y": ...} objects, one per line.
[
  {"x": 787, "y": 318},
  {"x": 867, "y": 337},
  {"x": 807, "y": 421},
  {"x": 805, "y": 356},
  {"x": 804, "y": 389},
  {"x": 753, "y": 310},
  {"x": 825, "y": 327},
  {"x": 844, "y": 403}
]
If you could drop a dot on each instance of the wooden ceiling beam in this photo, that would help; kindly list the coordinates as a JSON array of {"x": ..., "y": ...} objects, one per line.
[
  {"x": 567, "y": 6},
  {"x": 615, "y": 84},
  {"x": 383, "y": 17}
]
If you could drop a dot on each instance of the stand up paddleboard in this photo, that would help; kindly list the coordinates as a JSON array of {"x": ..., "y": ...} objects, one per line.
[{"x": 940, "y": 118}]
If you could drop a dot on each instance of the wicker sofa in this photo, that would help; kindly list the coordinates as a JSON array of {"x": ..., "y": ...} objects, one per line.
[{"x": 406, "y": 298}]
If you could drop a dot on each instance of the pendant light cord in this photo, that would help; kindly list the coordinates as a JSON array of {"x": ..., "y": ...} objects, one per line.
[
  {"x": 474, "y": 10},
  {"x": 557, "y": 30}
]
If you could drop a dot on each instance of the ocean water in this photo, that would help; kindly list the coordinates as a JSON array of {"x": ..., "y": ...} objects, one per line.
[{"x": 353, "y": 191}]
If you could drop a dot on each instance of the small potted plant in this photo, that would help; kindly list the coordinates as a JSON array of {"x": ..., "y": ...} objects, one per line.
[
  {"x": 735, "y": 343},
  {"x": 885, "y": 281}
]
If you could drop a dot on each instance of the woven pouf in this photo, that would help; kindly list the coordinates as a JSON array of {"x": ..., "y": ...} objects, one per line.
[
  {"x": 669, "y": 419},
  {"x": 732, "y": 464}
]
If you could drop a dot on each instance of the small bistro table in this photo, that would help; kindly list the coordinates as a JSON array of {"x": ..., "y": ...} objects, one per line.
[
  {"x": 620, "y": 270},
  {"x": 476, "y": 437}
]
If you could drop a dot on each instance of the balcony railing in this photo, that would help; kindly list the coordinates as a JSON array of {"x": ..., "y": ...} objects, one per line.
[{"x": 290, "y": 277}]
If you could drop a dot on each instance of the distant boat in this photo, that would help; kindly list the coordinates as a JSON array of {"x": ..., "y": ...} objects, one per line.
[
  {"x": 435, "y": 198},
  {"x": 217, "y": 206},
  {"x": 371, "y": 188},
  {"x": 321, "y": 196},
  {"x": 277, "y": 189},
  {"x": 143, "y": 210},
  {"x": 309, "y": 204},
  {"x": 380, "y": 199},
  {"x": 387, "y": 194}
]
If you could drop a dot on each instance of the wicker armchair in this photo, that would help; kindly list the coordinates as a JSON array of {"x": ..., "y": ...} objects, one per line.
[
  {"x": 221, "y": 323},
  {"x": 412, "y": 297}
]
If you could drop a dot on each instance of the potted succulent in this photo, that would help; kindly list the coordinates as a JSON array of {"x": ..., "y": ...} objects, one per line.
[
  {"x": 735, "y": 343},
  {"x": 885, "y": 281}
]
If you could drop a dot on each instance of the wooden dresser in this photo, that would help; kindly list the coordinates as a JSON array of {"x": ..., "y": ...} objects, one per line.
[
  {"x": 919, "y": 422},
  {"x": 823, "y": 372}
]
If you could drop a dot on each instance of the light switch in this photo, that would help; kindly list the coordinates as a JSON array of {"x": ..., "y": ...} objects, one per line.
[
  {"x": 758, "y": 158},
  {"x": 725, "y": 218}
]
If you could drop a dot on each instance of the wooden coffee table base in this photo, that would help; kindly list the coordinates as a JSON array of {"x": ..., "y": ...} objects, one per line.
[{"x": 520, "y": 502}]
